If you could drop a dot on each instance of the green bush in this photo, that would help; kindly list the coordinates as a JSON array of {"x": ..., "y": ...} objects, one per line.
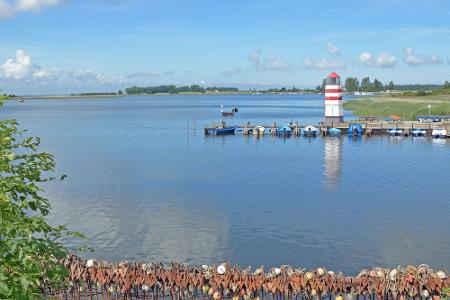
[{"x": 30, "y": 248}]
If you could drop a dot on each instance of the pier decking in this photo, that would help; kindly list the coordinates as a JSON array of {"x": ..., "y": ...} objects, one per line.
[{"x": 369, "y": 128}]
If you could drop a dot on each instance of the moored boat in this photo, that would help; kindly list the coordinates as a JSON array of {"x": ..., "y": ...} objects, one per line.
[
  {"x": 395, "y": 131},
  {"x": 333, "y": 131},
  {"x": 228, "y": 113},
  {"x": 439, "y": 133},
  {"x": 284, "y": 130},
  {"x": 355, "y": 129},
  {"x": 309, "y": 131},
  {"x": 224, "y": 130},
  {"x": 258, "y": 130},
  {"x": 418, "y": 132}
]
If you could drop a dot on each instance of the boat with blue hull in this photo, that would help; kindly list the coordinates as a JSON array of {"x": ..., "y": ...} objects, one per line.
[
  {"x": 284, "y": 130},
  {"x": 224, "y": 130},
  {"x": 355, "y": 130},
  {"x": 334, "y": 131}
]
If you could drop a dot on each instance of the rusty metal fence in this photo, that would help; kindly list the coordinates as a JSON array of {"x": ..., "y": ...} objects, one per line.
[{"x": 103, "y": 280}]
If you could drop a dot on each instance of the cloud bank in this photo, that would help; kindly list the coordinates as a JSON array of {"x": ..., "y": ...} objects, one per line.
[
  {"x": 323, "y": 63},
  {"x": 413, "y": 59},
  {"x": 383, "y": 60},
  {"x": 273, "y": 63},
  {"x": 9, "y": 8}
]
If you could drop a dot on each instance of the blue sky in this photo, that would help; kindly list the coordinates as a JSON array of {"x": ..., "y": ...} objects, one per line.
[{"x": 62, "y": 46}]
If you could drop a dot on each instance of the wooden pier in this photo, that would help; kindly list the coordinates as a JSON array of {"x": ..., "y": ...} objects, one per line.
[{"x": 369, "y": 127}]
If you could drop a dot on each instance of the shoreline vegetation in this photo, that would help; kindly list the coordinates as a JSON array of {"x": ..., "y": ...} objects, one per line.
[
  {"x": 168, "y": 90},
  {"x": 407, "y": 105}
]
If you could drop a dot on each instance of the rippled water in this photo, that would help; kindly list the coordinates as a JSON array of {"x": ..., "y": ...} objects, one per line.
[{"x": 146, "y": 184}]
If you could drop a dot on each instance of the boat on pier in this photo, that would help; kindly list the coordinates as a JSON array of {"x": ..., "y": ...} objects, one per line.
[
  {"x": 355, "y": 129},
  {"x": 398, "y": 128},
  {"x": 284, "y": 130},
  {"x": 439, "y": 133},
  {"x": 258, "y": 130},
  {"x": 418, "y": 132},
  {"x": 309, "y": 131},
  {"x": 395, "y": 132},
  {"x": 224, "y": 130},
  {"x": 333, "y": 131}
]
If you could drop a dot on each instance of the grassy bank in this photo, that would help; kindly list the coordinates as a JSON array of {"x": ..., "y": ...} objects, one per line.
[
  {"x": 5, "y": 97},
  {"x": 407, "y": 107}
]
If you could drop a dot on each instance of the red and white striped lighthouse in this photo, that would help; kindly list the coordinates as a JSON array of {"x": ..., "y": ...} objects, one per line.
[{"x": 334, "y": 110}]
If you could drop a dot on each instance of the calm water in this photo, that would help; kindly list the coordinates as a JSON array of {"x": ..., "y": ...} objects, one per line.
[{"x": 145, "y": 184}]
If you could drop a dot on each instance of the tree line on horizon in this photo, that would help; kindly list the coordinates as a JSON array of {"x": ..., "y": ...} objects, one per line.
[
  {"x": 172, "y": 89},
  {"x": 352, "y": 84}
]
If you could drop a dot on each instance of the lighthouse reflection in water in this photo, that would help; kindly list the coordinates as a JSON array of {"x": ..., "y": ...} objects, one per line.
[{"x": 332, "y": 150}]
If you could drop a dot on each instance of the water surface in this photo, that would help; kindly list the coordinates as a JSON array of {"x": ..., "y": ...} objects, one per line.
[{"x": 146, "y": 184}]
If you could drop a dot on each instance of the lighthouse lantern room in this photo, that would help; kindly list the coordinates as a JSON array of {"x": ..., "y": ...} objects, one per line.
[{"x": 334, "y": 110}]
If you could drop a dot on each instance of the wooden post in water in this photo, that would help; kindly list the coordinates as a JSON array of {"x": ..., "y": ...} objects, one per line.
[{"x": 274, "y": 128}]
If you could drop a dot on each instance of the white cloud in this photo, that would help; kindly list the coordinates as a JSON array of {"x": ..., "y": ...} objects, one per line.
[
  {"x": 18, "y": 68},
  {"x": 332, "y": 48},
  {"x": 23, "y": 71},
  {"x": 41, "y": 73},
  {"x": 34, "y": 5},
  {"x": 6, "y": 10},
  {"x": 274, "y": 63},
  {"x": 384, "y": 60},
  {"x": 9, "y": 8},
  {"x": 323, "y": 63},
  {"x": 231, "y": 72},
  {"x": 413, "y": 59},
  {"x": 365, "y": 58}
]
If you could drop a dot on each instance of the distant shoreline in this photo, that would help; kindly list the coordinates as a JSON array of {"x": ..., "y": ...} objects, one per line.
[{"x": 51, "y": 97}]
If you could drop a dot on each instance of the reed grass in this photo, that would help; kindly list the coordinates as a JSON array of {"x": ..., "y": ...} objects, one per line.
[{"x": 407, "y": 108}]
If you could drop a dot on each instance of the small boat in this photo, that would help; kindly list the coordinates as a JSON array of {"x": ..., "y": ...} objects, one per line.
[
  {"x": 309, "y": 131},
  {"x": 355, "y": 129},
  {"x": 268, "y": 130},
  {"x": 230, "y": 113},
  {"x": 439, "y": 133},
  {"x": 20, "y": 100},
  {"x": 395, "y": 132},
  {"x": 334, "y": 131},
  {"x": 258, "y": 130},
  {"x": 418, "y": 132},
  {"x": 239, "y": 130},
  {"x": 284, "y": 130},
  {"x": 224, "y": 130}
]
